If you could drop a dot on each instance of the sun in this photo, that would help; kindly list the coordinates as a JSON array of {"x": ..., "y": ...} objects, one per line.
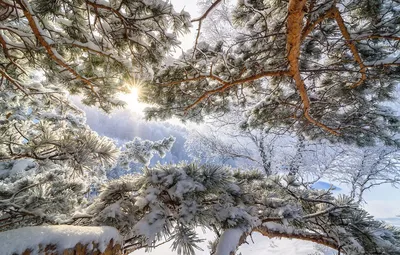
[{"x": 132, "y": 100}]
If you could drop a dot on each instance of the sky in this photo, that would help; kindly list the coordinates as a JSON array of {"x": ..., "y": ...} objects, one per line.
[{"x": 124, "y": 125}]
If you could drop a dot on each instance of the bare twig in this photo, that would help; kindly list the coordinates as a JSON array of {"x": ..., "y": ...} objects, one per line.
[
  {"x": 227, "y": 85},
  {"x": 200, "y": 20}
]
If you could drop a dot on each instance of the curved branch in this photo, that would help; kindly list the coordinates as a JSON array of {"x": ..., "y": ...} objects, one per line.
[
  {"x": 305, "y": 236},
  {"x": 13, "y": 81},
  {"x": 227, "y": 85},
  {"x": 352, "y": 46},
  {"x": 102, "y": 6},
  {"x": 33, "y": 23},
  {"x": 231, "y": 239},
  {"x": 311, "y": 25},
  {"x": 215, "y": 4},
  {"x": 388, "y": 37},
  {"x": 294, "y": 27}
]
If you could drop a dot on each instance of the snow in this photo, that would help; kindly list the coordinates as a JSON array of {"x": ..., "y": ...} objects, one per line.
[
  {"x": 20, "y": 166},
  {"x": 186, "y": 186},
  {"x": 150, "y": 225},
  {"x": 257, "y": 244},
  {"x": 141, "y": 202},
  {"x": 63, "y": 236},
  {"x": 229, "y": 241},
  {"x": 100, "y": 2},
  {"x": 279, "y": 228}
]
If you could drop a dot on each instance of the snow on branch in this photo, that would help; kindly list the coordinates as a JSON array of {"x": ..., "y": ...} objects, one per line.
[
  {"x": 58, "y": 239},
  {"x": 140, "y": 151},
  {"x": 91, "y": 49},
  {"x": 170, "y": 200}
]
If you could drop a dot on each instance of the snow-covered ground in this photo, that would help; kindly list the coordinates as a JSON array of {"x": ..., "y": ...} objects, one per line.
[
  {"x": 261, "y": 246},
  {"x": 18, "y": 240}
]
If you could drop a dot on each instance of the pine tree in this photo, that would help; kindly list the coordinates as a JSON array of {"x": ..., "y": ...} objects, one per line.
[
  {"x": 51, "y": 160},
  {"x": 322, "y": 68}
]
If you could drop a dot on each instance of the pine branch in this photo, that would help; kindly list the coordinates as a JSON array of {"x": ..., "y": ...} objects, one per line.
[
  {"x": 352, "y": 46},
  {"x": 310, "y": 26},
  {"x": 34, "y": 24},
  {"x": 376, "y": 36},
  {"x": 294, "y": 26},
  {"x": 14, "y": 82},
  {"x": 227, "y": 85}
]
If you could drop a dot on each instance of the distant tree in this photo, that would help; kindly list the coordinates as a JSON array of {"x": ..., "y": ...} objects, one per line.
[
  {"x": 137, "y": 154},
  {"x": 270, "y": 150},
  {"x": 366, "y": 168},
  {"x": 208, "y": 147}
]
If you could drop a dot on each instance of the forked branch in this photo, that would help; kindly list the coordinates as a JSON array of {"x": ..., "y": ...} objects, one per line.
[
  {"x": 310, "y": 26},
  {"x": 294, "y": 35}
]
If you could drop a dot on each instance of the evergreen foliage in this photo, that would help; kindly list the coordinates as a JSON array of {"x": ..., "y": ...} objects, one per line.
[
  {"x": 321, "y": 68},
  {"x": 50, "y": 159},
  {"x": 91, "y": 48},
  {"x": 139, "y": 151},
  {"x": 168, "y": 201}
]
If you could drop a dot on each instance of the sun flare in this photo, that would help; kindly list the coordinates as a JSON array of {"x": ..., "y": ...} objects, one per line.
[{"x": 132, "y": 100}]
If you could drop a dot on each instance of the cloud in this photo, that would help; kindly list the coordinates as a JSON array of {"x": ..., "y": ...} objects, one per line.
[
  {"x": 123, "y": 125},
  {"x": 392, "y": 221}
]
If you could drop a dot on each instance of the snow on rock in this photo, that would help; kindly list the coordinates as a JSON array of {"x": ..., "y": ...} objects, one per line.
[
  {"x": 63, "y": 237},
  {"x": 229, "y": 241}
]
